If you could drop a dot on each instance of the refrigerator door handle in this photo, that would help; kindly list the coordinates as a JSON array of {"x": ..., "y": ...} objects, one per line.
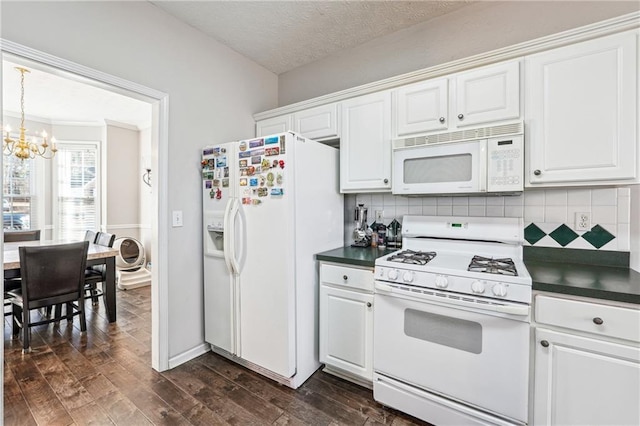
[
  {"x": 227, "y": 241},
  {"x": 239, "y": 261},
  {"x": 235, "y": 268}
]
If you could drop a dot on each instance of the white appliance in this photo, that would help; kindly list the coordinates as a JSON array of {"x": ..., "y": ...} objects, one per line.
[
  {"x": 484, "y": 160},
  {"x": 452, "y": 321},
  {"x": 270, "y": 204}
]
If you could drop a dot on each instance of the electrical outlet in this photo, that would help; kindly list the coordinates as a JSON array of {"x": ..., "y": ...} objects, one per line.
[
  {"x": 583, "y": 221},
  {"x": 379, "y": 215}
]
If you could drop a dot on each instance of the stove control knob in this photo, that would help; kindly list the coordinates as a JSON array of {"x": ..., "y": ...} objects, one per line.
[
  {"x": 393, "y": 274},
  {"x": 478, "y": 286},
  {"x": 499, "y": 290},
  {"x": 407, "y": 277},
  {"x": 442, "y": 281}
]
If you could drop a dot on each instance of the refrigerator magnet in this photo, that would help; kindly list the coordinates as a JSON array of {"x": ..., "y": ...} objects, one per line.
[
  {"x": 225, "y": 183},
  {"x": 207, "y": 184},
  {"x": 225, "y": 172},
  {"x": 221, "y": 162},
  {"x": 256, "y": 159},
  {"x": 277, "y": 191},
  {"x": 279, "y": 179},
  {"x": 245, "y": 154},
  {"x": 242, "y": 146},
  {"x": 266, "y": 164},
  {"x": 216, "y": 182},
  {"x": 272, "y": 151},
  {"x": 242, "y": 163},
  {"x": 255, "y": 143},
  {"x": 263, "y": 192},
  {"x": 271, "y": 140},
  {"x": 253, "y": 182},
  {"x": 282, "y": 145},
  {"x": 243, "y": 182}
]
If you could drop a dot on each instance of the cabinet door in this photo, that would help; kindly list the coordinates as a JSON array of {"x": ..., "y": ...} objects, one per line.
[
  {"x": 318, "y": 123},
  {"x": 487, "y": 94},
  {"x": 581, "y": 112},
  {"x": 346, "y": 331},
  {"x": 365, "y": 144},
  {"x": 580, "y": 381},
  {"x": 421, "y": 107},
  {"x": 274, "y": 125}
]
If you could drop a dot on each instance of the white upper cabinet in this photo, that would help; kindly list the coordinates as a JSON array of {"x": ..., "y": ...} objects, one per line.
[
  {"x": 365, "y": 144},
  {"x": 422, "y": 107},
  {"x": 274, "y": 125},
  {"x": 581, "y": 113},
  {"x": 319, "y": 123},
  {"x": 483, "y": 95},
  {"x": 487, "y": 94}
]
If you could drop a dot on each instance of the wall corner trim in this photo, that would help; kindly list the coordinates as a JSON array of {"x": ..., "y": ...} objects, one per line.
[{"x": 179, "y": 359}]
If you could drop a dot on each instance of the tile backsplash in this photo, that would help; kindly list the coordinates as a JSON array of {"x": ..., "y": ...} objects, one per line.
[{"x": 548, "y": 214}]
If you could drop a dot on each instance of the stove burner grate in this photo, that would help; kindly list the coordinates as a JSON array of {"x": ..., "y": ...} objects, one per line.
[
  {"x": 493, "y": 266},
  {"x": 412, "y": 257}
]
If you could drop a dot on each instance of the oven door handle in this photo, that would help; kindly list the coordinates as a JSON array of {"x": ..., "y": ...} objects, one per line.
[{"x": 512, "y": 309}]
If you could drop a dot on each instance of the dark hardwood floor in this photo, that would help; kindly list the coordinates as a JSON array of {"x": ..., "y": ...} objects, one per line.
[{"x": 104, "y": 377}]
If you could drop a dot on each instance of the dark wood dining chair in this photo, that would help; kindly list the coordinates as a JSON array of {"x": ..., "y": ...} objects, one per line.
[
  {"x": 14, "y": 237},
  {"x": 51, "y": 275},
  {"x": 95, "y": 275}
]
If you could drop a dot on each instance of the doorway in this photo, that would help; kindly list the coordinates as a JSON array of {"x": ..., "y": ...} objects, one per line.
[{"x": 157, "y": 162}]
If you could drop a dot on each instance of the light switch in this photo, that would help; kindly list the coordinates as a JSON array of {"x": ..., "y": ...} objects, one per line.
[{"x": 176, "y": 218}]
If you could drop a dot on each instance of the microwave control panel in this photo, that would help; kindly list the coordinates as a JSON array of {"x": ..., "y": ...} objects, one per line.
[{"x": 505, "y": 165}]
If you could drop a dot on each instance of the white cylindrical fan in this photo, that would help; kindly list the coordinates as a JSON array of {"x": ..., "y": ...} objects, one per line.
[{"x": 130, "y": 264}]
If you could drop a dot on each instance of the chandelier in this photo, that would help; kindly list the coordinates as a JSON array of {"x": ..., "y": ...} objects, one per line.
[{"x": 22, "y": 148}]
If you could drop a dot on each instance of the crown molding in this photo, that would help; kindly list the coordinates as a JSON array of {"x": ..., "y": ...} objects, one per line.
[{"x": 618, "y": 24}]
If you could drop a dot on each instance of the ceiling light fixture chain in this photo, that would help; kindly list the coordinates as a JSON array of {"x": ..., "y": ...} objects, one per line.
[{"x": 22, "y": 148}]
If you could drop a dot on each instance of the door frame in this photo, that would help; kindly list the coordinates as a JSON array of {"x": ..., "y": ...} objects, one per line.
[{"x": 160, "y": 144}]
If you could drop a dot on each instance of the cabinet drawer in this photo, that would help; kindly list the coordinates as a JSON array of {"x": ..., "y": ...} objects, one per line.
[
  {"x": 605, "y": 320},
  {"x": 346, "y": 276}
]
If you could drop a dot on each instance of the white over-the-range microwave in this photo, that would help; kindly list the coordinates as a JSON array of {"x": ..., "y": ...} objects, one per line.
[{"x": 488, "y": 160}]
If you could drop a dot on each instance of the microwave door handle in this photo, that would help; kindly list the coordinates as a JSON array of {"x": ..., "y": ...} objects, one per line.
[{"x": 483, "y": 162}]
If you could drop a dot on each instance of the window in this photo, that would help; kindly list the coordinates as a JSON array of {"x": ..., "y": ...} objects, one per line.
[
  {"x": 76, "y": 203},
  {"x": 18, "y": 201}
]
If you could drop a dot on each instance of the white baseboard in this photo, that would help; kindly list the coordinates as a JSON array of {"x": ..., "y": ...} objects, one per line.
[{"x": 189, "y": 355}]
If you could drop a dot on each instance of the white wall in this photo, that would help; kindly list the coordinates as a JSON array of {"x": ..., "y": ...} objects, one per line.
[
  {"x": 145, "y": 209},
  {"x": 123, "y": 188},
  {"x": 213, "y": 93},
  {"x": 473, "y": 29}
]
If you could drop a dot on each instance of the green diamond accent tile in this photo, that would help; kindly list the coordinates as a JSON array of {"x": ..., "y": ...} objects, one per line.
[
  {"x": 533, "y": 234},
  {"x": 598, "y": 236},
  {"x": 563, "y": 235}
]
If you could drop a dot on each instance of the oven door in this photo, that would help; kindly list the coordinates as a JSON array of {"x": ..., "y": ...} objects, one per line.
[
  {"x": 477, "y": 357},
  {"x": 449, "y": 168}
]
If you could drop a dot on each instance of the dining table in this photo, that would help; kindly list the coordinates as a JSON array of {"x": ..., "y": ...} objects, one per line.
[{"x": 97, "y": 255}]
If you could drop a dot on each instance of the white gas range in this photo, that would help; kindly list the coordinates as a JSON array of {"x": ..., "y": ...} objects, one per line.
[{"x": 451, "y": 321}]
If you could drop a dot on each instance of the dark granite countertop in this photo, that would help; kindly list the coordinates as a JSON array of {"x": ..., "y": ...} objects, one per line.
[
  {"x": 359, "y": 256},
  {"x": 587, "y": 273}
]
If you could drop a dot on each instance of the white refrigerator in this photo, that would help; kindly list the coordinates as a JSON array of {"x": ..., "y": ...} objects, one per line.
[{"x": 270, "y": 204}]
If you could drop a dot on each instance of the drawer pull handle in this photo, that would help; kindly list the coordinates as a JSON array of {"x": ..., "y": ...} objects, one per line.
[
  {"x": 598, "y": 321},
  {"x": 344, "y": 277},
  {"x": 368, "y": 304},
  {"x": 544, "y": 343}
]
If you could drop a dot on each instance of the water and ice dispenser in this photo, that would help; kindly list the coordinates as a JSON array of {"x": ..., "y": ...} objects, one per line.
[{"x": 214, "y": 234}]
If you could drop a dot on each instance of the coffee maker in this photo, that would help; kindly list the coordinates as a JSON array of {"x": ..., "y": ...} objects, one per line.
[{"x": 361, "y": 237}]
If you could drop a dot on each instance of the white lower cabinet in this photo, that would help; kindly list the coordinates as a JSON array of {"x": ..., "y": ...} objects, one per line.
[
  {"x": 581, "y": 378},
  {"x": 346, "y": 321}
]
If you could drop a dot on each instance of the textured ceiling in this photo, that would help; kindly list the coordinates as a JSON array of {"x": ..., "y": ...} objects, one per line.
[
  {"x": 280, "y": 35},
  {"x": 283, "y": 35}
]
